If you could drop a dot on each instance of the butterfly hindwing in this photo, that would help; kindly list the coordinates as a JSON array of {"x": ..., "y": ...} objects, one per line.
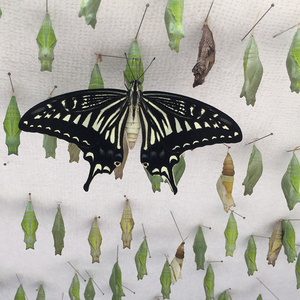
[
  {"x": 92, "y": 119},
  {"x": 172, "y": 124}
]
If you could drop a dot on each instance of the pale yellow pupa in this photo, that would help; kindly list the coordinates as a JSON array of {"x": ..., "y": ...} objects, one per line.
[
  {"x": 225, "y": 183},
  {"x": 176, "y": 264}
]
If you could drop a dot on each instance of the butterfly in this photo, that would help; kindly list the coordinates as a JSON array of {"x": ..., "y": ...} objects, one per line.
[{"x": 96, "y": 121}]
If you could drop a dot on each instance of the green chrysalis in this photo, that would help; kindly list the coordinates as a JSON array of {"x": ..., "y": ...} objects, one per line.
[
  {"x": 96, "y": 81},
  {"x": 46, "y": 41},
  {"x": 209, "y": 283},
  {"x": 293, "y": 63},
  {"x": 127, "y": 225},
  {"x": 29, "y": 225},
  {"x": 155, "y": 181},
  {"x": 134, "y": 66},
  {"x": 20, "y": 294},
  {"x": 0, "y": 13},
  {"x": 95, "y": 240},
  {"x": 199, "y": 248},
  {"x": 297, "y": 271},
  {"x": 41, "y": 293},
  {"x": 89, "y": 8},
  {"x": 250, "y": 256},
  {"x": 11, "y": 126},
  {"x": 140, "y": 259},
  {"x": 165, "y": 280},
  {"x": 89, "y": 292},
  {"x": 253, "y": 72},
  {"x": 259, "y": 297},
  {"x": 231, "y": 234},
  {"x": 50, "y": 144},
  {"x": 173, "y": 21},
  {"x": 115, "y": 282},
  {"x": 288, "y": 240},
  {"x": 290, "y": 183},
  {"x": 58, "y": 232},
  {"x": 74, "y": 288},
  {"x": 225, "y": 296},
  {"x": 254, "y": 171}
]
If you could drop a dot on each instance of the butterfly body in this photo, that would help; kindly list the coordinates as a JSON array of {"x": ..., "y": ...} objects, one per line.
[{"x": 95, "y": 120}]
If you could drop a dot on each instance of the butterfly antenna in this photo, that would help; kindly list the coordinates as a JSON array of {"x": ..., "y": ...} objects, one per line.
[{"x": 147, "y": 67}]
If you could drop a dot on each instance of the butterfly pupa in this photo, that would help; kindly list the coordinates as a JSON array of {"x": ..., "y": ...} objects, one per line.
[
  {"x": 231, "y": 234},
  {"x": 297, "y": 271},
  {"x": 58, "y": 231},
  {"x": 49, "y": 144},
  {"x": 165, "y": 280},
  {"x": 293, "y": 63},
  {"x": 225, "y": 296},
  {"x": 0, "y": 13},
  {"x": 288, "y": 240},
  {"x": 259, "y": 297},
  {"x": 127, "y": 225},
  {"x": 253, "y": 72},
  {"x": 206, "y": 55},
  {"x": 173, "y": 22},
  {"x": 11, "y": 128},
  {"x": 199, "y": 248},
  {"x": 275, "y": 244},
  {"x": 250, "y": 256},
  {"x": 254, "y": 171},
  {"x": 46, "y": 41},
  {"x": 209, "y": 283},
  {"x": 20, "y": 294},
  {"x": 176, "y": 264},
  {"x": 89, "y": 292},
  {"x": 141, "y": 258},
  {"x": 115, "y": 282},
  {"x": 89, "y": 9},
  {"x": 74, "y": 290},
  {"x": 95, "y": 240},
  {"x": 290, "y": 183},
  {"x": 225, "y": 183},
  {"x": 29, "y": 225},
  {"x": 41, "y": 293}
]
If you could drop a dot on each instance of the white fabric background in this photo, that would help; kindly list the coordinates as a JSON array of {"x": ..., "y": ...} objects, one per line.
[{"x": 197, "y": 202}]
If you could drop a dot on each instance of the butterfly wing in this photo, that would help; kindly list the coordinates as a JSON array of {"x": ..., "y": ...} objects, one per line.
[
  {"x": 172, "y": 124},
  {"x": 94, "y": 120}
]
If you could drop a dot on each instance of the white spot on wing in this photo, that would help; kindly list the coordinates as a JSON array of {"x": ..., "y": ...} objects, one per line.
[
  {"x": 67, "y": 118},
  {"x": 77, "y": 119},
  {"x": 86, "y": 122},
  {"x": 177, "y": 125},
  {"x": 197, "y": 125},
  {"x": 187, "y": 126},
  {"x": 37, "y": 117}
]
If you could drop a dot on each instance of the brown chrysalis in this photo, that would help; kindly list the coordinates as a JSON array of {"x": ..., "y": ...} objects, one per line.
[{"x": 206, "y": 54}]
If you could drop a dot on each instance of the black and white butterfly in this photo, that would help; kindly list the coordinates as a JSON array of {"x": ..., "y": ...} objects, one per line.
[{"x": 96, "y": 121}]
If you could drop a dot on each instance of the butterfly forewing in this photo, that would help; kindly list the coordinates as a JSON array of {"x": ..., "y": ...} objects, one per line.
[
  {"x": 172, "y": 124},
  {"x": 93, "y": 119}
]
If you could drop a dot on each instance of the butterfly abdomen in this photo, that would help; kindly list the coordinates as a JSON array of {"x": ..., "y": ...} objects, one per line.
[{"x": 132, "y": 127}]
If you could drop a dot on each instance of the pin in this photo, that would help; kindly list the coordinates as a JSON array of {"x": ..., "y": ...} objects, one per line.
[
  {"x": 267, "y": 288},
  {"x": 214, "y": 261},
  {"x": 285, "y": 30},
  {"x": 46, "y": 6},
  {"x": 147, "y": 5},
  {"x": 295, "y": 149},
  {"x": 55, "y": 87},
  {"x": 177, "y": 226},
  {"x": 105, "y": 55},
  {"x": 204, "y": 226},
  {"x": 237, "y": 214},
  {"x": 258, "y": 21},
  {"x": 12, "y": 87},
  {"x": 62, "y": 297},
  {"x": 145, "y": 237},
  {"x": 205, "y": 22},
  {"x": 258, "y": 139},
  {"x": 260, "y": 236},
  {"x": 128, "y": 289},
  {"x": 94, "y": 282},
  {"x": 76, "y": 271}
]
